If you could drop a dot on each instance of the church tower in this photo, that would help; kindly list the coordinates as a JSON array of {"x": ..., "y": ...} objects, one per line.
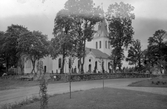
[{"x": 100, "y": 40}]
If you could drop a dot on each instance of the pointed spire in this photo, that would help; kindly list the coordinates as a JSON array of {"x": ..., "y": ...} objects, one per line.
[{"x": 102, "y": 10}]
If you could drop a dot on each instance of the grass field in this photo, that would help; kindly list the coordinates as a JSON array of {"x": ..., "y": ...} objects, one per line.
[
  {"x": 154, "y": 82},
  {"x": 6, "y": 84},
  {"x": 104, "y": 99}
]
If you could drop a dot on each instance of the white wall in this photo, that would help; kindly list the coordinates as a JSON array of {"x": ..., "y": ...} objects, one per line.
[
  {"x": 53, "y": 65},
  {"x": 87, "y": 63},
  {"x": 91, "y": 44},
  {"x": 47, "y": 61},
  {"x": 103, "y": 48}
]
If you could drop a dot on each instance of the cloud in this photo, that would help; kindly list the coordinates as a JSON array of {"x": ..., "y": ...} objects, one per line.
[
  {"x": 150, "y": 15},
  {"x": 155, "y": 9},
  {"x": 32, "y": 22},
  {"x": 29, "y": 7}
]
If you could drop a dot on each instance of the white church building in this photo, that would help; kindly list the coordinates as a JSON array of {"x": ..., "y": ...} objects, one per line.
[{"x": 97, "y": 50}]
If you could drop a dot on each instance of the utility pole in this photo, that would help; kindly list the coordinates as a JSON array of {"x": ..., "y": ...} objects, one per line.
[
  {"x": 71, "y": 62},
  {"x": 101, "y": 61},
  {"x": 70, "y": 76}
]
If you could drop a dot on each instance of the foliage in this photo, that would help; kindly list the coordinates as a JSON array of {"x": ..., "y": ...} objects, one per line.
[
  {"x": 120, "y": 18},
  {"x": 116, "y": 59},
  {"x": 43, "y": 94},
  {"x": 2, "y": 57},
  {"x": 34, "y": 45},
  {"x": 64, "y": 36},
  {"x": 156, "y": 50},
  {"x": 86, "y": 15},
  {"x": 135, "y": 54},
  {"x": 9, "y": 45}
]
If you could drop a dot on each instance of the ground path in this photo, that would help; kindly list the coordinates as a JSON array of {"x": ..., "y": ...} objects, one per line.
[{"x": 18, "y": 95}]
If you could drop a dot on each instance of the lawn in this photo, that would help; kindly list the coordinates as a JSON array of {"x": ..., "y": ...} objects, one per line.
[
  {"x": 10, "y": 83},
  {"x": 6, "y": 84},
  {"x": 107, "y": 98},
  {"x": 153, "y": 82}
]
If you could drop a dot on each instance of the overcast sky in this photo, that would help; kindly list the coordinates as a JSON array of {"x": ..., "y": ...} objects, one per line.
[{"x": 150, "y": 15}]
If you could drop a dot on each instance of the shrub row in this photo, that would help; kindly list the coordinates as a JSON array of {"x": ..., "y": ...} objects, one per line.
[{"x": 84, "y": 77}]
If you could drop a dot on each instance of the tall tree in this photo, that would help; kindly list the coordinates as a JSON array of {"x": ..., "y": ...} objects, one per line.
[
  {"x": 116, "y": 59},
  {"x": 2, "y": 56},
  {"x": 64, "y": 35},
  {"x": 9, "y": 47},
  {"x": 135, "y": 54},
  {"x": 156, "y": 48},
  {"x": 86, "y": 15},
  {"x": 120, "y": 18},
  {"x": 34, "y": 45}
]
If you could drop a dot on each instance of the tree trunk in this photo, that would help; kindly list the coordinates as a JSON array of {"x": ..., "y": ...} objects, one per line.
[
  {"x": 33, "y": 66},
  {"x": 139, "y": 64},
  {"x": 62, "y": 67},
  {"x": 114, "y": 65},
  {"x": 22, "y": 69},
  {"x": 7, "y": 64},
  {"x": 119, "y": 67},
  {"x": 82, "y": 64},
  {"x": 79, "y": 65},
  {"x": 20, "y": 65}
]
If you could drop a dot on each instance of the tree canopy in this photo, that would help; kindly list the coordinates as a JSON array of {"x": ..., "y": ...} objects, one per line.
[
  {"x": 73, "y": 25},
  {"x": 34, "y": 45},
  {"x": 120, "y": 18},
  {"x": 86, "y": 15},
  {"x": 135, "y": 54},
  {"x": 156, "y": 50}
]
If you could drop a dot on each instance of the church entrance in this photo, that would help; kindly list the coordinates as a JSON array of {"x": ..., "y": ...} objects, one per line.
[
  {"x": 90, "y": 68},
  {"x": 44, "y": 69}
]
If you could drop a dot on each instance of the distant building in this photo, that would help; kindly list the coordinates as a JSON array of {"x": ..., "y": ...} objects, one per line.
[{"x": 97, "y": 50}]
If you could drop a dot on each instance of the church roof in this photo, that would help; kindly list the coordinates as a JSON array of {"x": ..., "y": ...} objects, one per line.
[{"x": 97, "y": 53}]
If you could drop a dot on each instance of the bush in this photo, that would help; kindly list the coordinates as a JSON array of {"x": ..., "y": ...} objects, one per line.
[
  {"x": 2, "y": 69},
  {"x": 12, "y": 71},
  {"x": 43, "y": 93}
]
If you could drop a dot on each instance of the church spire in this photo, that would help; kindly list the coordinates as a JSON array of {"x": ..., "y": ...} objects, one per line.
[{"x": 102, "y": 26}]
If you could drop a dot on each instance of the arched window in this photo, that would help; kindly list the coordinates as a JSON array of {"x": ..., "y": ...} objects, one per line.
[
  {"x": 90, "y": 68},
  {"x": 100, "y": 44},
  {"x": 59, "y": 62},
  {"x": 79, "y": 63},
  {"x": 106, "y": 44},
  {"x": 89, "y": 60},
  {"x": 96, "y": 64},
  {"x": 108, "y": 65},
  {"x": 69, "y": 63},
  {"x": 96, "y": 45}
]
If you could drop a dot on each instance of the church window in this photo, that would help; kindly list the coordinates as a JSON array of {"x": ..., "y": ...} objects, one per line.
[
  {"x": 100, "y": 44},
  {"x": 78, "y": 63},
  {"x": 59, "y": 62},
  {"x": 69, "y": 63},
  {"x": 96, "y": 64},
  {"x": 96, "y": 45},
  {"x": 106, "y": 44},
  {"x": 108, "y": 65},
  {"x": 89, "y": 60}
]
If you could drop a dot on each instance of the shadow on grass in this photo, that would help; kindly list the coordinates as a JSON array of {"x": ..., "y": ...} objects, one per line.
[{"x": 107, "y": 98}]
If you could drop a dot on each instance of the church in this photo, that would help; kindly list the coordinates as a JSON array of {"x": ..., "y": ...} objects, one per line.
[{"x": 97, "y": 50}]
